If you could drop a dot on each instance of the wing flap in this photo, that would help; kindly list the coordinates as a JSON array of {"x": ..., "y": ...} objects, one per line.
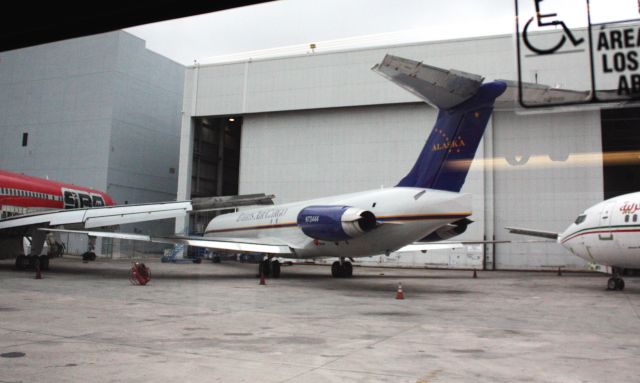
[
  {"x": 100, "y": 216},
  {"x": 533, "y": 233},
  {"x": 228, "y": 244}
]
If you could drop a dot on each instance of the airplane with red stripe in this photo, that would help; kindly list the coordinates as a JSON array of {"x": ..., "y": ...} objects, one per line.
[
  {"x": 607, "y": 233},
  {"x": 20, "y": 194}
]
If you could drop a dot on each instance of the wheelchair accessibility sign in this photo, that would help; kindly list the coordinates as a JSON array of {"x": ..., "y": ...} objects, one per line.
[{"x": 577, "y": 52}]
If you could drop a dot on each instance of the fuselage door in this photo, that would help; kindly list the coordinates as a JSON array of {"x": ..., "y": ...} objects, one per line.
[{"x": 605, "y": 233}]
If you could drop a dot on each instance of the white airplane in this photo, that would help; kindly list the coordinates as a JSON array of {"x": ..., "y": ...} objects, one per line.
[
  {"x": 606, "y": 234},
  {"x": 425, "y": 206}
]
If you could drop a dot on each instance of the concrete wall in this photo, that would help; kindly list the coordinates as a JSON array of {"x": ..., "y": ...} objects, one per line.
[
  {"x": 144, "y": 146},
  {"x": 61, "y": 95},
  {"x": 101, "y": 111}
]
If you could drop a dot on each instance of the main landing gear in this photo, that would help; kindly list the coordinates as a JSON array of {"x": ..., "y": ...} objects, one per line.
[
  {"x": 24, "y": 262},
  {"x": 269, "y": 268},
  {"x": 342, "y": 269},
  {"x": 616, "y": 282}
]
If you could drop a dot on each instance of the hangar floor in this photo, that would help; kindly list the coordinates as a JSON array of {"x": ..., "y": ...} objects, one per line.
[{"x": 209, "y": 322}]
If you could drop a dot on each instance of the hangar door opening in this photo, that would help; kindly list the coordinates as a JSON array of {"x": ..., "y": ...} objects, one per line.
[
  {"x": 216, "y": 162},
  {"x": 620, "y": 147}
]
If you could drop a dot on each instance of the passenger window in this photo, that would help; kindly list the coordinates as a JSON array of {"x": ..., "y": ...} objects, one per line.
[
  {"x": 635, "y": 218},
  {"x": 626, "y": 218}
]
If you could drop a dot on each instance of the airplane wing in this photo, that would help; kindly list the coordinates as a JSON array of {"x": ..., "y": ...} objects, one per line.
[
  {"x": 533, "y": 233},
  {"x": 445, "y": 89},
  {"x": 270, "y": 246},
  {"x": 123, "y": 214},
  {"x": 99, "y": 216},
  {"x": 444, "y": 245}
]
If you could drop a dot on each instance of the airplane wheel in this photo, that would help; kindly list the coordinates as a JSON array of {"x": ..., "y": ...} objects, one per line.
[
  {"x": 336, "y": 270},
  {"x": 21, "y": 262},
  {"x": 619, "y": 284},
  {"x": 44, "y": 262},
  {"x": 347, "y": 270},
  {"x": 611, "y": 284},
  {"x": 264, "y": 268},
  {"x": 275, "y": 269}
]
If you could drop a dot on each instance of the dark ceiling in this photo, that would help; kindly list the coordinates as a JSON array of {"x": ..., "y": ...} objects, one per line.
[{"x": 31, "y": 23}]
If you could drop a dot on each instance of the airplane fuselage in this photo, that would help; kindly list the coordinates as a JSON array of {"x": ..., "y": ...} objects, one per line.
[
  {"x": 607, "y": 233},
  {"x": 402, "y": 214},
  {"x": 22, "y": 194}
]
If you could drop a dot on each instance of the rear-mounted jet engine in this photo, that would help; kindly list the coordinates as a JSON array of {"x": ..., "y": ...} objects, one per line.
[{"x": 335, "y": 223}]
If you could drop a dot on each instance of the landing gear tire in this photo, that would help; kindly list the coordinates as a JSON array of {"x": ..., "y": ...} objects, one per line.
[
  {"x": 44, "y": 262},
  {"x": 264, "y": 268},
  {"x": 21, "y": 262},
  {"x": 344, "y": 270},
  {"x": 347, "y": 270},
  {"x": 615, "y": 283},
  {"x": 275, "y": 269},
  {"x": 336, "y": 269}
]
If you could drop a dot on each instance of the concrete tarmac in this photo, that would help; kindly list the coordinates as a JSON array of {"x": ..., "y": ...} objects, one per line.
[{"x": 215, "y": 323}]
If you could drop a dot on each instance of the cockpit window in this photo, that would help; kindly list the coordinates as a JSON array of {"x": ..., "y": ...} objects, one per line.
[{"x": 580, "y": 219}]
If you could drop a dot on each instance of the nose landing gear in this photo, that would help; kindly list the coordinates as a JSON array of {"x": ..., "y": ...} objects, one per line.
[{"x": 615, "y": 283}]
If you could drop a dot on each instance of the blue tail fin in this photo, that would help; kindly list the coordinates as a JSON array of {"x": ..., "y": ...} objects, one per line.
[{"x": 445, "y": 159}]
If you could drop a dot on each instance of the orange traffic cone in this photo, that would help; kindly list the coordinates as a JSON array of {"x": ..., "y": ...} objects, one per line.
[
  {"x": 262, "y": 282},
  {"x": 400, "y": 293}
]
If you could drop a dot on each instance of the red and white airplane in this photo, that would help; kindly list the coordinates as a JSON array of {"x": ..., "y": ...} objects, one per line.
[
  {"x": 22, "y": 194},
  {"x": 29, "y": 204},
  {"x": 605, "y": 233}
]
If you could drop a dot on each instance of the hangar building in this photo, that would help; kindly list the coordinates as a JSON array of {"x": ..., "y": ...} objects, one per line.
[
  {"x": 323, "y": 123},
  {"x": 100, "y": 111}
]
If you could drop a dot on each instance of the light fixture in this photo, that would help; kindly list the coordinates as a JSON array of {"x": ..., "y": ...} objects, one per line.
[{"x": 231, "y": 119}]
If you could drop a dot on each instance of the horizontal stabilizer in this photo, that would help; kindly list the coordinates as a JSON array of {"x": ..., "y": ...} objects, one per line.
[
  {"x": 537, "y": 94},
  {"x": 444, "y": 89},
  {"x": 533, "y": 233}
]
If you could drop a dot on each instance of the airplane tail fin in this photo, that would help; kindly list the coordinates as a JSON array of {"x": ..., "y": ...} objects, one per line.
[{"x": 465, "y": 108}]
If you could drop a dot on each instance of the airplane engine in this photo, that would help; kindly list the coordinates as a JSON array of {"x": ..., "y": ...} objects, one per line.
[
  {"x": 335, "y": 223},
  {"x": 448, "y": 231}
]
